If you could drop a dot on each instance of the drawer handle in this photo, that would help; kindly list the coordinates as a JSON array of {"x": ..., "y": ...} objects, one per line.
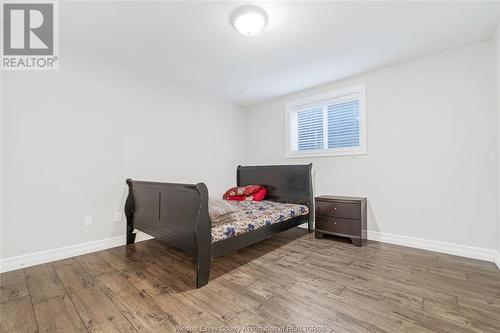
[
  {"x": 334, "y": 208},
  {"x": 334, "y": 222}
]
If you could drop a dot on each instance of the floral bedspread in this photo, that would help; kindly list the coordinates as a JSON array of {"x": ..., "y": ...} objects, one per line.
[{"x": 251, "y": 215}]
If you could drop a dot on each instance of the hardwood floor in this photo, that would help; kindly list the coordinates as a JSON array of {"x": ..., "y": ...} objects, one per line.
[{"x": 291, "y": 279}]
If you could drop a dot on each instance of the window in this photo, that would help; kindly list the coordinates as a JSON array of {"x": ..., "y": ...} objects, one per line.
[{"x": 329, "y": 124}]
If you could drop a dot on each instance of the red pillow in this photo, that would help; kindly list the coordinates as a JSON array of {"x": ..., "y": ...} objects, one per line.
[
  {"x": 249, "y": 193},
  {"x": 259, "y": 195},
  {"x": 235, "y": 197}
]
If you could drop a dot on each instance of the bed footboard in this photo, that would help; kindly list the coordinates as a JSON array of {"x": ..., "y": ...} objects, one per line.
[{"x": 176, "y": 214}]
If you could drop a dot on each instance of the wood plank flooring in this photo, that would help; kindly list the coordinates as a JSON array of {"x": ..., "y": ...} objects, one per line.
[{"x": 291, "y": 281}]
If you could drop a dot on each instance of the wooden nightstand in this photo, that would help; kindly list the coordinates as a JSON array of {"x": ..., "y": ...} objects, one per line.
[{"x": 341, "y": 216}]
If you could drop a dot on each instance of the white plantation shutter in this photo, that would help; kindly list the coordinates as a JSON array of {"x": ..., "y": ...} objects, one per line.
[
  {"x": 343, "y": 124},
  {"x": 310, "y": 129},
  {"x": 332, "y": 123}
]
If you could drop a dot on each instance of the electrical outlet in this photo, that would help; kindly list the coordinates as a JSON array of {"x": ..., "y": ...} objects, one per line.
[
  {"x": 118, "y": 216},
  {"x": 88, "y": 220}
]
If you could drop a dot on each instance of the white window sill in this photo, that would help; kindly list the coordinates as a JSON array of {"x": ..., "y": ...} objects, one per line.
[{"x": 325, "y": 153}]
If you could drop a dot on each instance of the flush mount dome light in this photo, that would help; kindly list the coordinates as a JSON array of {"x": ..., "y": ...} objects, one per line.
[{"x": 249, "y": 20}]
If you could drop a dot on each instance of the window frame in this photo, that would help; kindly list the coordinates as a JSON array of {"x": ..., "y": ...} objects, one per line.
[{"x": 295, "y": 106}]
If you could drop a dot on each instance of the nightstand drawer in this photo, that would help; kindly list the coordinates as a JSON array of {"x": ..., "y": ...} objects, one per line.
[
  {"x": 338, "y": 209},
  {"x": 338, "y": 226}
]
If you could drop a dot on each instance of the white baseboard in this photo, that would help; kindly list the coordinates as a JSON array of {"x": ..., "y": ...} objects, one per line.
[
  {"x": 13, "y": 263},
  {"x": 140, "y": 236},
  {"x": 437, "y": 246}
]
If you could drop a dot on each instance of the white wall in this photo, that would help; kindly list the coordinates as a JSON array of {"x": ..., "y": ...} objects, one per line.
[
  {"x": 430, "y": 165},
  {"x": 71, "y": 137},
  {"x": 496, "y": 41}
]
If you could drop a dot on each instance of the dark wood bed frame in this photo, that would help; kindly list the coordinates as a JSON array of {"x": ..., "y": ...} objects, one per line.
[{"x": 177, "y": 214}]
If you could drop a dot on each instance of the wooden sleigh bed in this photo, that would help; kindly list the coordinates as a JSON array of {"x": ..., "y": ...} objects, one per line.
[{"x": 177, "y": 214}]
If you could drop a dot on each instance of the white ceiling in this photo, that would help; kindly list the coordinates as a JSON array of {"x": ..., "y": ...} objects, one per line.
[{"x": 304, "y": 44}]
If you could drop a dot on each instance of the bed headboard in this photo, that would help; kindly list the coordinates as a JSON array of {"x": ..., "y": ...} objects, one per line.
[{"x": 284, "y": 183}]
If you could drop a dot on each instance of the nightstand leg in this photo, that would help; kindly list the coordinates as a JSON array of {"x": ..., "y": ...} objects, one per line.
[
  {"x": 318, "y": 235},
  {"x": 357, "y": 242}
]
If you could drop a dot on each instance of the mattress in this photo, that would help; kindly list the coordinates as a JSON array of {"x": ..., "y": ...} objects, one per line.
[{"x": 251, "y": 215}]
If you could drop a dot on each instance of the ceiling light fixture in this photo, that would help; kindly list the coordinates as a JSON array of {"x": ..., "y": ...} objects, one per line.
[{"x": 249, "y": 20}]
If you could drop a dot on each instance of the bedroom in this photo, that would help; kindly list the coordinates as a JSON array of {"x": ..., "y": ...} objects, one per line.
[{"x": 175, "y": 92}]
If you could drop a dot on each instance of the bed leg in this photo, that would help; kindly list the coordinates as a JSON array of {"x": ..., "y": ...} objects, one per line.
[
  {"x": 203, "y": 264},
  {"x": 203, "y": 241},
  {"x": 130, "y": 235},
  {"x": 203, "y": 233},
  {"x": 129, "y": 215}
]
